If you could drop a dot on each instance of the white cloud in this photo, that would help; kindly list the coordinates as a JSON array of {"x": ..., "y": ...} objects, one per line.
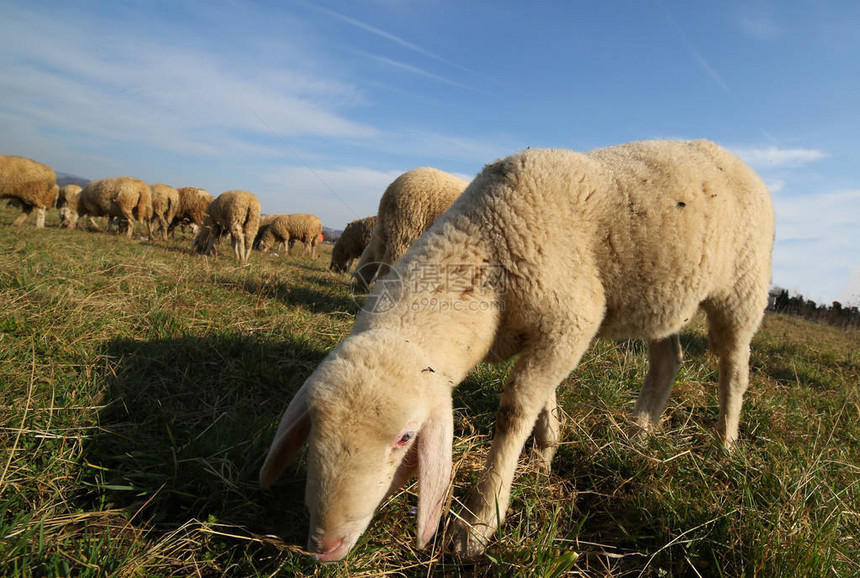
[
  {"x": 816, "y": 242},
  {"x": 337, "y": 195},
  {"x": 850, "y": 294},
  {"x": 774, "y": 157},
  {"x": 775, "y": 185},
  {"x": 122, "y": 85}
]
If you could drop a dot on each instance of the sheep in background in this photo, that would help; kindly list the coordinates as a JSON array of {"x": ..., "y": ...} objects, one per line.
[
  {"x": 351, "y": 244},
  {"x": 142, "y": 212},
  {"x": 265, "y": 222},
  {"x": 307, "y": 229},
  {"x": 192, "y": 209},
  {"x": 30, "y": 184},
  {"x": 548, "y": 249},
  {"x": 291, "y": 228},
  {"x": 165, "y": 203},
  {"x": 65, "y": 193},
  {"x": 125, "y": 198},
  {"x": 234, "y": 212},
  {"x": 408, "y": 207}
]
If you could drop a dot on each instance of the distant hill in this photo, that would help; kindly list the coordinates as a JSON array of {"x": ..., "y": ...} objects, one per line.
[
  {"x": 64, "y": 179},
  {"x": 331, "y": 234}
]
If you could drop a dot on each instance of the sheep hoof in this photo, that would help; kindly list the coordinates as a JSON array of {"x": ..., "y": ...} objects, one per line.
[
  {"x": 542, "y": 458},
  {"x": 467, "y": 541},
  {"x": 640, "y": 428},
  {"x": 728, "y": 442}
]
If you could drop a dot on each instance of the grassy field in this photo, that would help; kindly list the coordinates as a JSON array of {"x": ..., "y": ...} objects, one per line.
[{"x": 140, "y": 387}]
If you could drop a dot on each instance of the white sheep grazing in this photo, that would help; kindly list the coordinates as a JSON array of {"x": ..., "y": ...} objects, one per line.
[
  {"x": 545, "y": 251},
  {"x": 165, "y": 203},
  {"x": 30, "y": 184},
  {"x": 65, "y": 193},
  {"x": 235, "y": 212},
  {"x": 409, "y": 206},
  {"x": 121, "y": 197}
]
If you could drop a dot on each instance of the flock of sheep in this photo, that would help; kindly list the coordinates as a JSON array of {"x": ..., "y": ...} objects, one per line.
[
  {"x": 126, "y": 200},
  {"x": 625, "y": 241},
  {"x": 409, "y": 206}
]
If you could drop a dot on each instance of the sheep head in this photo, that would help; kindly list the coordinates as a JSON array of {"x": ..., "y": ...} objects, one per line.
[
  {"x": 338, "y": 258},
  {"x": 68, "y": 217},
  {"x": 373, "y": 413}
]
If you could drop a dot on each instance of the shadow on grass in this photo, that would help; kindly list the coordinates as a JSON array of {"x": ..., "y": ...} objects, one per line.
[
  {"x": 795, "y": 365},
  {"x": 186, "y": 425},
  {"x": 325, "y": 298}
]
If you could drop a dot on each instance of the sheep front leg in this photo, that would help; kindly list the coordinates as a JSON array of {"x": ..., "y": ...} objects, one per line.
[
  {"x": 94, "y": 225},
  {"x": 529, "y": 392},
  {"x": 664, "y": 361},
  {"x": 40, "y": 217}
]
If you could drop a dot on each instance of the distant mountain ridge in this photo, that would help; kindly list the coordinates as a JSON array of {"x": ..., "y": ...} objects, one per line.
[
  {"x": 64, "y": 179},
  {"x": 331, "y": 234}
]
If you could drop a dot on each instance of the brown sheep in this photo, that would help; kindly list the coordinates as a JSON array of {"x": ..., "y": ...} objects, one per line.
[
  {"x": 291, "y": 228},
  {"x": 165, "y": 204},
  {"x": 351, "y": 244},
  {"x": 192, "y": 208},
  {"x": 265, "y": 222},
  {"x": 30, "y": 184},
  {"x": 65, "y": 193},
  {"x": 234, "y": 212},
  {"x": 121, "y": 197}
]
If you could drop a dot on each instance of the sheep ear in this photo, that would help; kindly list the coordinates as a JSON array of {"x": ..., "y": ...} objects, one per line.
[
  {"x": 289, "y": 439},
  {"x": 405, "y": 470},
  {"x": 434, "y": 469}
]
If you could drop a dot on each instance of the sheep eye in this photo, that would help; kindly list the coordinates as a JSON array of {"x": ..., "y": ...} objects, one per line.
[{"x": 405, "y": 439}]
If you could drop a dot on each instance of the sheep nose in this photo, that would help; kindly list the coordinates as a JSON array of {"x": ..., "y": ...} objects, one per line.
[{"x": 327, "y": 547}]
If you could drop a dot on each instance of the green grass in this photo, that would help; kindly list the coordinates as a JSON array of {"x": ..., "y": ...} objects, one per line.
[{"x": 140, "y": 387}]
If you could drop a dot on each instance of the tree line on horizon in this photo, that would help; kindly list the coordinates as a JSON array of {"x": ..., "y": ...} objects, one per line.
[{"x": 835, "y": 314}]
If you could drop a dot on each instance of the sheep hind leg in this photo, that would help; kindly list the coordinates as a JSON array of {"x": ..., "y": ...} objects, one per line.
[
  {"x": 130, "y": 218},
  {"x": 730, "y": 332},
  {"x": 238, "y": 239},
  {"x": 537, "y": 373},
  {"x": 162, "y": 224},
  {"x": 546, "y": 434},
  {"x": 249, "y": 244},
  {"x": 664, "y": 361},
  {"x": 25, "y": 212},
  {"x": 213, "y": 235}
]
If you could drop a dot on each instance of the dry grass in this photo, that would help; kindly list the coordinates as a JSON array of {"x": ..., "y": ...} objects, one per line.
[{"x": 140, "y": 387}]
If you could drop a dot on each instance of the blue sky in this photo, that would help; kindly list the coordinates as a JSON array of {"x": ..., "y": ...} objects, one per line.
[{"x": 316, "y": 107}]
